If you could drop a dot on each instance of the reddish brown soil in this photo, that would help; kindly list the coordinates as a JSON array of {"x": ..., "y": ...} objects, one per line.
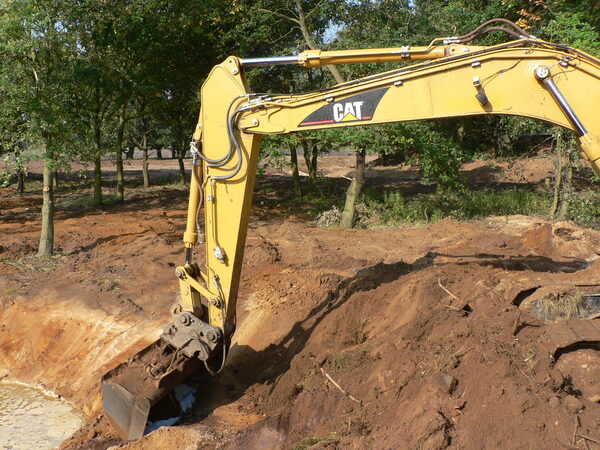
[{"x": 415, "y": 338}]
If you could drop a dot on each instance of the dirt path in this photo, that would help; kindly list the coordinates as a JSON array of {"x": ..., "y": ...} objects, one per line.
[{"x": 431, "y": 337}]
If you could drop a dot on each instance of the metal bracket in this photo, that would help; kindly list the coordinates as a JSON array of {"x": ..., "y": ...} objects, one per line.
[{"x": 191, "y": 336}]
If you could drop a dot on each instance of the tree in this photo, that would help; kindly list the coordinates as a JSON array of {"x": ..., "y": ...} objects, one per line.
[{"x": 36, "y": 52}]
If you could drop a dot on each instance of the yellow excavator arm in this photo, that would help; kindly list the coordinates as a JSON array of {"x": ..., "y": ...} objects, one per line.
[{"x": 526, "y": 77}]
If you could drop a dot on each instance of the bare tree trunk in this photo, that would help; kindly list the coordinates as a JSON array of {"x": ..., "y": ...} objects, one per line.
[
  {"x": 97, "y": 152},
  {"x": 311, "y": 43},
  {"x": 145, "y": 173},
  {"x": 558, "y": 174},
  {"x": 21, "y": 181},
  {"x": 98, "y": 181},
  {"x": 567, "y": 185},
  {"x": 46, "y": 247},
  {"x": 119, "y": 156},
  {"x": 181, "y": 151},
  {"x": 310, "y": 158},
  {"x": 312, "y": 169},
  {"x": 354, "y": 190},
  {"x": 55, "y": 179},
  {"x": 295, "y": 171}
]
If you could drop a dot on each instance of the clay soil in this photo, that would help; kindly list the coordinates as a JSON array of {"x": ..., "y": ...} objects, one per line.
[{"x": 421, "y": 337}]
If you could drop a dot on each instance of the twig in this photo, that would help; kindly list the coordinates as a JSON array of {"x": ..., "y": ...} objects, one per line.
[
  {"x": 575, "y": 430},
  {"x": 454, "y": 308},
  {"x": 350, "y": 396},
  {"x": 447, "y": 291},
  {"x": 528, "y": 377},
  {"x": 587, "y": 438}
]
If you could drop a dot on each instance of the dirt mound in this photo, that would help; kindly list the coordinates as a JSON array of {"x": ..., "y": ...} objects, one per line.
[
  {"x": 415, "y": 339},
  {"x": 456, "y": 334},
  {"x": 422, "y": 355}
]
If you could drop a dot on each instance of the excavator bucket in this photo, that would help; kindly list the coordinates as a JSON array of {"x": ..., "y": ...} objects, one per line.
[{"x": 131, "y": 389}]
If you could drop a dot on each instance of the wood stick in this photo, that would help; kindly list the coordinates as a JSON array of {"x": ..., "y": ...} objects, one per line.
[
  {"x": 454, "y": 308},
  {"x": 350, "y": 396},
  {"x": 575, "y": 430},
  {"x": 447, "y": 291},
  {"x": 587, "y": 438}
]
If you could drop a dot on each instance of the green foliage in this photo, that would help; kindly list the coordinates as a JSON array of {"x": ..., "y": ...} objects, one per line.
[
  {"x": 575, "y": 30},
  {"x": 584, "y": 209},
  {"x": 391, "y": 208}
]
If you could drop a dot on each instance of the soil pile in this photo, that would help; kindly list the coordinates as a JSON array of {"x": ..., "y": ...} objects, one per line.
[{"x": 461, "y": 335}]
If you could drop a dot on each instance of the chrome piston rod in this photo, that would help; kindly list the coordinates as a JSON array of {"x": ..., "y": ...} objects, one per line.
[
  {"x": 272, "y": 61},
  {"x": 543, "y": 74}
]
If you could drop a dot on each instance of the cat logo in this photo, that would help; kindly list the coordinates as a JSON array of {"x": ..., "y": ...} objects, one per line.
[
  {"x": 356, "y": 108},
  {"x": 346, "y": 112}
]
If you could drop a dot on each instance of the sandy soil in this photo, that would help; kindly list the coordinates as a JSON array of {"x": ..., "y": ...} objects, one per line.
[{"x": 426, "y": 337}]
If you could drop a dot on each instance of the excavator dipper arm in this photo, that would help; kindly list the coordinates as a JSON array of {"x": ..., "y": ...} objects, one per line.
[{"x": 526, "y": 77}]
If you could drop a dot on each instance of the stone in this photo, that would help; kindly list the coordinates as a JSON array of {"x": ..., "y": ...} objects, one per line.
[
  {"x": 572, "y": 404},
  {"x": 554, "y": 401}
]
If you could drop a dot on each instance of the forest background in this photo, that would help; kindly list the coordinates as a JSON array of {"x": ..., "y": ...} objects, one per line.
[{"x": 88, "y": 80}]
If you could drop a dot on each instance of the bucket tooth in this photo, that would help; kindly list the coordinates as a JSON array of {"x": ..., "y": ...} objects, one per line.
[{"x": 127, "y": 412}]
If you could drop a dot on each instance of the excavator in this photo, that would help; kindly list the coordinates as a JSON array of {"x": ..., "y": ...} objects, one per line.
[{"x": 525, "y": 76}]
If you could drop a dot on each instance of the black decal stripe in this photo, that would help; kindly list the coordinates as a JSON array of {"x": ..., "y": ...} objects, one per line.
[{"x": 324, "y": 115}]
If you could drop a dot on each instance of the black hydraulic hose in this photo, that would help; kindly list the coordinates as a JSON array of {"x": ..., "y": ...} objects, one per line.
[
  {"x": 220, "y": 161},
  {"x": 232, "y": 122},
  {"x": 480, "y": 30},
  {"x": 201, "y": 197}
]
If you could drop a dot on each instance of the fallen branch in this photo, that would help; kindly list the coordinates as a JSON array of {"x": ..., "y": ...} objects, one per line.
[
  {"x": 589, "y": 439},
  {"x": 447, "y": 291},
  {"x": 454, "y": 308},
  {"x": 575, "y": 430},
  {"x": 350, "y": 396}
]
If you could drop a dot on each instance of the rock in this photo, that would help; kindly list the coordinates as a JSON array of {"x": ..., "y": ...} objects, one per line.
[
  {"x": 554, "y": 401},
  {"x": 442, "y": 383},
  {"x": 572, "y": 404}
]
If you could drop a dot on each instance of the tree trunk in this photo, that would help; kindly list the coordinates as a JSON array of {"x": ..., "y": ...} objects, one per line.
[
  {"x": 159, "y": 153},
  {"x": 354, "y": 190},
  {"x": 97, "y": 151},
  {"x": 565, "y": 200},
  {"x": 46, "y": 247},
  {"x": 119, "y": 156},
  {"x": 98, "y": 181},
  {"x": 295, "y": 171},
  {"x": 129, "y": 152},
  {"x": 567, "y": 185},
  {"x": 145, "y": 161},
  {"x": 558, "y": 175},
  {"x": 312, "y": 170},
  {"x": 311, "y": 153},
  {"x": 20, "y": 181},
  {"x": 311, "y": 43},
  {"x": 55, "y": 179},
  {"x": 181, "y": 151}
]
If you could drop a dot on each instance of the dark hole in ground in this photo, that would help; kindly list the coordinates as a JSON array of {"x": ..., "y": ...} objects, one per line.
[{"x": 523, "y": 295}]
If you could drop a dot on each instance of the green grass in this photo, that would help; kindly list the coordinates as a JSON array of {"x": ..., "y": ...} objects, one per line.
[
  {"x": 392, "y": 208},
  {"x": 317, "y": 442},
  {"x": 85, "y": 202}
]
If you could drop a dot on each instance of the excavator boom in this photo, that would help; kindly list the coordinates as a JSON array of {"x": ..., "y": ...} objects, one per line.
[{"x": 526, "y": 77}]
